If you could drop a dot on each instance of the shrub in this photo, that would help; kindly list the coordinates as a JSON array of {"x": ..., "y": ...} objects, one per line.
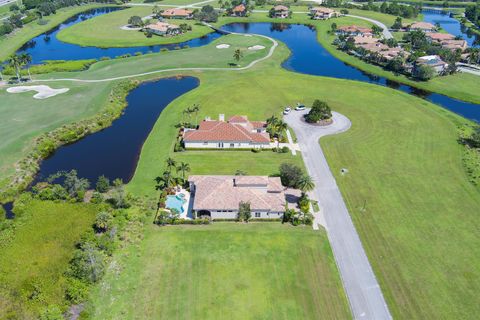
[
  {"x": 320, "y": 111},
  {"x": 88, "y": 264},
  {"x": 76, "y": 291},
  {"x": 51, "y": 312},
  {"x": 290, "y": 174},
  {"x": 103, "y": 221},
  {"x": 285, "y": 149},
  {"x": 103, "y": 184},
  {"x": 256, "y": 150}
]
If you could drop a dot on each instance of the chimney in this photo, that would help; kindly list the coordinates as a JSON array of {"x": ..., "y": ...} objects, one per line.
[{"x": 221, "y": 117}]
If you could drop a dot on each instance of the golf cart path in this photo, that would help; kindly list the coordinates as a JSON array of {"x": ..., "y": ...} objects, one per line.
[
  {"x": 363, "y": 291},
  {"x": 251, "y": 64}
]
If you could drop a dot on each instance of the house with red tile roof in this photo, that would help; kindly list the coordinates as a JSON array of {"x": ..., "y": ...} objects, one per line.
[
  {"x": 219, "y": 197},
  {"x": 280, "y": 12},
  {"x": 163, "y": 29},
  {"x": 239, "y": 11},
  {"x": 422, "y": 26},
  {"x": 439, "y": 37},
  {"x": 177, "y": 13},
  {"x": 354, "y": 30},
  {"x": 238, "y": 132},
  {"x": 321, "y": 13}
]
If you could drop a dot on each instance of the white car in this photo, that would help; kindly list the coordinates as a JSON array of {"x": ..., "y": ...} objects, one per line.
[
  {"x": 300, "y": 107},
  {"x": 287, "y": 110}
]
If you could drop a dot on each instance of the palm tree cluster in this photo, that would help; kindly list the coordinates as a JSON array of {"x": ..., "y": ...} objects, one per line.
[
  {"x": 187, "y": 116},
  {"x": 17, "y": 61},
  {"x": 168, "y": 180},
  {"x": 276, "y": 127}
]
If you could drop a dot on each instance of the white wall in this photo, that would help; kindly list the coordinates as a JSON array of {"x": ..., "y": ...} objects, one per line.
[
  {"x": 234, "y": 214},
  {"x": 226, "y": 145}
]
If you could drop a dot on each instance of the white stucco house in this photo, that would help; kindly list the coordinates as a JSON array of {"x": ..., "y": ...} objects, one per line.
[
  {"x": 238, "y": 132},
  {"x": 219, "y": 197}
]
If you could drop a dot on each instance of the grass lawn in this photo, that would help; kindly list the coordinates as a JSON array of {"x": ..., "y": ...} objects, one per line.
[
  {"x": 224, "y": 271},
  {"x": 38, "y": 255},
  {"x": 12, "y": 42},
  {"x": 105, "y": 31}
]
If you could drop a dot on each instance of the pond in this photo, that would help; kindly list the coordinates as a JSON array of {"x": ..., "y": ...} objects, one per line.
[
  {"x": 114, "y": 151},
  {"x": 449, "y": 24},
  {"x": 48, "y": 47}
]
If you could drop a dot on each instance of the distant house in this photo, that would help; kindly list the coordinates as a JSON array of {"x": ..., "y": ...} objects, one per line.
[
  {"x": 439, "y": 37},
  {"x": 321, "y": 13},
  {"x": 177, "y": 13},
  {"x": 163, "y": 29},
  {"x": 364, "y": 40},
  {"x": 239, "y": 11},
  {"x": 238, "y": 132},
  {"x": 384, "y": 51},
  {"x": 219, "y": 197},
  {"x": 433, "y": 61},
  {"x": 422, "y": 26},
  {"x": 280, "y": 12},
  {"x": 354, "y": 30},
  {"x": 454, "y": 45}
]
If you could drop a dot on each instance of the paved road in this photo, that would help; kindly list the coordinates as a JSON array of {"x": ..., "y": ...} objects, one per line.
[
  {"x": 386, "y": 33},
  {"x": 364, "y": 294}
]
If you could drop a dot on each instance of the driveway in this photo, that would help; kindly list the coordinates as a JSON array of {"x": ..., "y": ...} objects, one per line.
[
  {"x": 386, "y": 33},
  {"x": 364, "y": 294}
]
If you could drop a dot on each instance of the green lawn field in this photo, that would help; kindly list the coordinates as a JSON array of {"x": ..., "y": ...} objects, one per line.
[
  {"x": 105, "y": 31},
  {"x": 224, "y": 271},
  {"x": 33, "y": 263}
]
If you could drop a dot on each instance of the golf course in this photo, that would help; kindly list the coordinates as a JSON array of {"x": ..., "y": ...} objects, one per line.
[{"x": 406, "y": 184}]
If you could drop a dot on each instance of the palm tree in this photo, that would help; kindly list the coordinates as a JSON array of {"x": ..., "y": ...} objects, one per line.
[
  {"x": 170, "y": 164},
  {"x": 306, "y": 184},
  {"x": 15, "y": 62},
  {"x": 183, "y": 167},
  {"x": 26, "y": 59},
  {"x": 281, "y": 128},
  {"x": 237, "y": 55},
  {"x": 196, "y": 109},
  {"x": 474, "y": 56}
]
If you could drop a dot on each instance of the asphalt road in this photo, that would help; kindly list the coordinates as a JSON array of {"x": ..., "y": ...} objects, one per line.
[{"x": 363, "y": 292}]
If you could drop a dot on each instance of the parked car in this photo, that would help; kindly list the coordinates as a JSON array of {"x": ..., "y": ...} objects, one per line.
[
  {"x": 300, "y": 107},
  {"x": 287, "y": 110}
]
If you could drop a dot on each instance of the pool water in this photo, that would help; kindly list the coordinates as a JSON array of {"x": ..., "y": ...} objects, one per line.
[{"x": 175, "y": 202}]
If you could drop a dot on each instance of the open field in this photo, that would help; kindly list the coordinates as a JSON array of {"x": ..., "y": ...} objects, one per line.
[
  {"x": 12, "y": 42},
  {"x": 33, "y": 263},
  {"x": 105, "y": 31},
  {"x": 224, "y": 271}
]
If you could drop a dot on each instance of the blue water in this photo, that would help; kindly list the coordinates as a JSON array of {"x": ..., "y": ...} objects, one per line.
[
  {"x": 173, "y": 202},
  {"x": 114, "y": 152},
  {"x": 309, "y": 57},
  {"x": 48, "y": 47},
  {"x": 451, "y": 25}
]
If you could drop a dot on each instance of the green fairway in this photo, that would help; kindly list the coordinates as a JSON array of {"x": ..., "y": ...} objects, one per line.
[
  {"x": 224, "y": 271},
  {"x": 105, "y": 31},
  {"x": 34, "y": 261}
]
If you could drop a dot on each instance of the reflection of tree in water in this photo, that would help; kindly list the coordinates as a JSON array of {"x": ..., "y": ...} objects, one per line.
[
  {"x": 392, "y": 84},
  {"x": 30, "y": 44},
  {"x": 280, "y": 26},
  {"x": 419, "y": 92}
]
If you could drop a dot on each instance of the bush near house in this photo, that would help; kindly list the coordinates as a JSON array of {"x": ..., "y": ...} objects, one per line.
[{"x": 320, "y": 111}]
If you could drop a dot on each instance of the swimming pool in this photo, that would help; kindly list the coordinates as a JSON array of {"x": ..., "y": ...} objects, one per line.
[{"x": 175, "y": 202}]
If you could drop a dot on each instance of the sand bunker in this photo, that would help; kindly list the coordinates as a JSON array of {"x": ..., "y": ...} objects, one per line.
[
  {"x": 257, "y": 47},
  {"x": 43, "y": 92},
  {"x": 223, "y": 46}
]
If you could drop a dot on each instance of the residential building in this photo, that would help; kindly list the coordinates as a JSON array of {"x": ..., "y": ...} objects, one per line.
[
  {"x": 358, "y": 40},
  {"x": 281, "y": 12},
  {"x": 354, "y": 30},
  {"x": 321, "y": 13},
  {"x": 163, "y": 29},
  {"x": 433, "y": 61},
  {"x": 439, "y": 37},
  {"x": 177, "y": 13},
  {"x": 238, "y": 132},
  {"x": 239, "y": 11},
  {"x": 219, "y": 197},
  {"x": 454, "y": 45},
  {"x": 422, "y": 26}
]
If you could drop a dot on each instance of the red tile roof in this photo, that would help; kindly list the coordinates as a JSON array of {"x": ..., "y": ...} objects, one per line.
[
  {"x": 440, "y": 36},
  {"x": 176, "y": 12},
  {"x": 240, "y": 8},
  {"x": 224, "y": 131}
]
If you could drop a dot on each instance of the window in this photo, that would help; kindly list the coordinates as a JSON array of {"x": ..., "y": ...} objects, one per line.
[
  {"x": 257, "y": 214},
  {"x": 232, "y": 145},
  {"x": 205, "y": 143}
]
